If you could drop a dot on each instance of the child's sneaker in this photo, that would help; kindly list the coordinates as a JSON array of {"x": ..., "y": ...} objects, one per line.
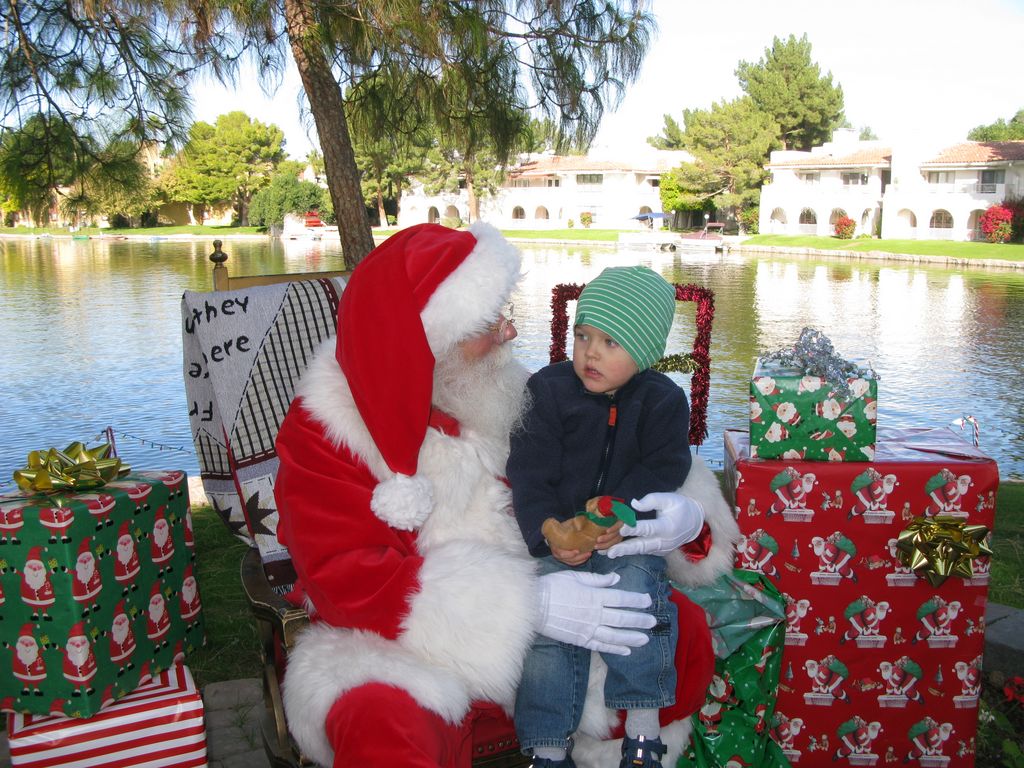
[{"x": 642, "y": 753}]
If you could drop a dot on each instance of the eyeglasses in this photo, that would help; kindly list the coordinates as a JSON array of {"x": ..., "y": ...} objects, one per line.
[{"x": 505, "y": 319}]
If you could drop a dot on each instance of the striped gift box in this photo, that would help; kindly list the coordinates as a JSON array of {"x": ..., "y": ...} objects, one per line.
[{"x": 158, "y": 725}]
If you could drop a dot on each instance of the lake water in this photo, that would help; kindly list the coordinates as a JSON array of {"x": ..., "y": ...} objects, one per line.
[{"x": 90, "y": 335}]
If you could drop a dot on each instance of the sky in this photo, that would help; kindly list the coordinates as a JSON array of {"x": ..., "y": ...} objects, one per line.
[{"x": 915, "y": 71}]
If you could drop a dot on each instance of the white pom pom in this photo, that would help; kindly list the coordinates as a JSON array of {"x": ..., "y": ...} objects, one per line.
[{"x": 403, "y": 501}]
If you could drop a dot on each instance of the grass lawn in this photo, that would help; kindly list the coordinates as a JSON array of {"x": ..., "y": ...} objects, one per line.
[
  {"x": 232, "y": 649},
  {"x": 999, "y": 251}
]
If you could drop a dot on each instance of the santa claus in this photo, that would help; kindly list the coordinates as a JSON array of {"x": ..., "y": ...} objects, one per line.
[
  {"x": 122, "y": 640},
  {"x": 27, "y": 663},
  {"x": 12, "y": 518},
  {"x": 36, "y": 587},
  {"x": 189, "y": 603},
  {"x": 79, "y": 661},
  {"x": 126, "y": 565},
  {"x": 86, "y": 583},
  {"x": 161, "y": 542},
  {"x": 408, "y": 558},
  {"x": 57, "y": 520},
  {"x": 158, "y": 620}
]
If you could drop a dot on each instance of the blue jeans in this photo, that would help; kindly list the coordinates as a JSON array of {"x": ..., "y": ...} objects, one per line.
[{"x": 549, "y": 702}]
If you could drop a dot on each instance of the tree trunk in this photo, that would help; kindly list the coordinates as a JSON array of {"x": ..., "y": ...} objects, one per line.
[
  {"x": 191, "y": 214},
  {"x": 328, "y": 108},
  {"x": 380, "y": 206},
  {"x": 472, "y": 201}
]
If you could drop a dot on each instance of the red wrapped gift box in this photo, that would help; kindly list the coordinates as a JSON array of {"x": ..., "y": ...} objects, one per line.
[
  {"x": 879, "y": 666},
  {"x": 159, "y": 725}
]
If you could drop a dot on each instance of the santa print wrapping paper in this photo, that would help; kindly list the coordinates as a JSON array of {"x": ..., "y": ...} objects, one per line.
[
  {"x": 793, "y": 415},
  {"x": 160, "y": 725},
  {"x": 97, "y": 592},
  {"x": 879, "y": 666}
]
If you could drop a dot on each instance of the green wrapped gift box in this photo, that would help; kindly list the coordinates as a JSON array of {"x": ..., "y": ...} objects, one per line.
[
  {"x": 98, "y": 592},
  {"x": 796, "y": 416}
]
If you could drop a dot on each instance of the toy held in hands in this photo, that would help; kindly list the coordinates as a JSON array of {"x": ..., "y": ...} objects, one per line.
[{"x": 582, "y": 531}]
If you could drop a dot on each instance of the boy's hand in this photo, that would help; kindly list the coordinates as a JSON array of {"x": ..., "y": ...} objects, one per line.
[
  {"x": 610, "y": 537},
  {"x": 571, "y": 557}
]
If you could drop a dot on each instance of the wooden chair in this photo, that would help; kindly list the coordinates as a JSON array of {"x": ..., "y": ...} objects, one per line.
[{"x": 266, "y": 572}]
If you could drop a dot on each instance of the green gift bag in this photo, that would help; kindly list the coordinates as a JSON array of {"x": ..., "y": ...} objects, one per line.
[{"x": 746, "y": 615}]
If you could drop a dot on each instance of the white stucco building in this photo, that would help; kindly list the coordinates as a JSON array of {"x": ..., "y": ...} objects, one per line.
[
  {"x": 548, "y": 191},
  {"x": 894, "y": 192}
]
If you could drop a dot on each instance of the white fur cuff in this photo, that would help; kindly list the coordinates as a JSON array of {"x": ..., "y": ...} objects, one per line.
[{"x": 403, "y": 501}]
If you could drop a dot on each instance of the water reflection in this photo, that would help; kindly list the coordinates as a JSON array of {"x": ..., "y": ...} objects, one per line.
[{"x": 90, "y": 334}]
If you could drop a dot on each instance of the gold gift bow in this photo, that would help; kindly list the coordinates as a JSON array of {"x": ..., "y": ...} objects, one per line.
[
  {"x": 939, "y": 547},
  {"x": 76, "y": 468}
]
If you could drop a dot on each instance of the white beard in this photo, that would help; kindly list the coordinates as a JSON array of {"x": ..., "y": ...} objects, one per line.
[
  {"x": 486, "y": 396},
  {"x": 156, "y": 609},
  {"x": 125, "y": 548},
  {"x": 35, "y": 574},
  {"x": 188, "y": 590},
  {"x": 85, "y": 568},
  {"x": 119, "y": 629},
  {"x": 160, "y": 532},
  {"x": 28, "y": 651},
  {"x": 77, "y": 651}
]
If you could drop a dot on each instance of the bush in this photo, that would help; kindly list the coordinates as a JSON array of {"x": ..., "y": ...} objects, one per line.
[
  {"x": 586, "y": 219},
  {"x": 996, "y": 224},
  {"x": 844, "y": 228},
  {"x": 749, "y": 220},
  {"x": 570, "y": 223},
  {"x": 1016, "y": 207},
  {"x": 452, "y": 222}
]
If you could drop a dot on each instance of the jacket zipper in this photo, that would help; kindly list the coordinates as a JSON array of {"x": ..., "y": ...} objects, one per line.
[{"x": 609, "y": 441}]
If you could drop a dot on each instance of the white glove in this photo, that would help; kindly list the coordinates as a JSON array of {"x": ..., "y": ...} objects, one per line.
[
  {"x": 679, "y": 522},
  {"x": 581, "y": 609}
]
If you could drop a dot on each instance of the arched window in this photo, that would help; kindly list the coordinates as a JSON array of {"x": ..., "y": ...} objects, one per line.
[
  {"x": 518, "y": 212},
  {"x": 941, "y": 219},
  {"x": 779, "y": 216},
  {"x": 837, "y": 214},
  {"x": 541, "y": 213},
  {"x": 433, "y": 216},
  {"x": 807, "y": 216}
]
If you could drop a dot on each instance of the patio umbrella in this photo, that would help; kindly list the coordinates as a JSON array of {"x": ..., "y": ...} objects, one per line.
[{"x": 646, "y": 216}]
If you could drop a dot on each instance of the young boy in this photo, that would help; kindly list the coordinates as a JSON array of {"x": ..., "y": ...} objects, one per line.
[{"x": 603, "y": 424}]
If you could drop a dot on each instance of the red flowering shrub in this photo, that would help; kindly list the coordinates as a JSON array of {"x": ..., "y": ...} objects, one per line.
[
  {"x": 1013, "y": 689},
  {"x": 1016, "y": 207},
  {"x": 844, "y": 227},
  {"x": 996, "y": 224}
]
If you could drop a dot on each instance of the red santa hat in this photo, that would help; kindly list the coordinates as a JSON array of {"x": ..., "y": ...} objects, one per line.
[
  {"x": 84, "y": 546},
  {"x": 155, "y": 590},
  {"x": 122, "y": 531},
  {"x": 414, "y": 296},
  {"x": 36, "y": 553},
  {"x": 119, "y": 609},
  {"x": 77, "y": 631},
  {"x": 27, "y": 630}
]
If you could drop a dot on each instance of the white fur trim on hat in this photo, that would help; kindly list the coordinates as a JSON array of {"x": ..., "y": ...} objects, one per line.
[
  {"x": 473, "y": 295},
  {"x": 403, "y": 501}
]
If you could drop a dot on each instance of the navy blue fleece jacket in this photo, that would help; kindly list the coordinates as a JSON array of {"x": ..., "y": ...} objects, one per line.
[{"x": 567, "y": 451}]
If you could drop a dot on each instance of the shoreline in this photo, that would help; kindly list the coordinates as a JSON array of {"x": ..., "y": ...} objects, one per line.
[{"x": 731, "y": 245}]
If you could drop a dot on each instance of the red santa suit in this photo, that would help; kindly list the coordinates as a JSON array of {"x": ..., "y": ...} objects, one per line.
[
  {"x": 161, "y": 541},
  {"x": 86, "y": 583},
  {"x": 126, "y": 565},
  {"x": 122, "y": 637},
  {"x": 12, "y": 518},
  {"x": 27, "y": 662},
  {"x": 158, "y": 620},
  {"x": 79, "y": 660},
  {"x": 36, "y": 587},
  {"x": 399, "y": 527},
  {"x": 57, "y": 520},
  {"x": 189, "y": 603}
]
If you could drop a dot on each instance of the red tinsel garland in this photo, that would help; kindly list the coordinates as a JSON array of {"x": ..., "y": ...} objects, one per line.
[{"x": 700, "y": 384}]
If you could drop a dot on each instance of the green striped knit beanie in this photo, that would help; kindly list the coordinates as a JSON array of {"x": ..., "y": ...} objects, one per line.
[{"x": 633, "y": 305}]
